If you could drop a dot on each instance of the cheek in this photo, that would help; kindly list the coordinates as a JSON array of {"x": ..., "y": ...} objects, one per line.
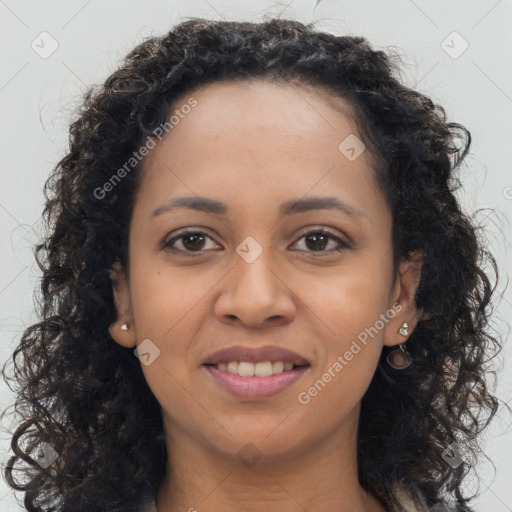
[
  {"x": 350, "y": 310},
  {"x": 351, "y": 338},
  {"x": 166, "y": 305},
  {"x": 164, "y": 300},
  {"x": 349, "y": 298}
]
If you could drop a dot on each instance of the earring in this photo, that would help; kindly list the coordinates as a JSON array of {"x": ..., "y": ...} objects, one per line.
[
  {"x": 403, "y": 330},
  {"x": 124, "y": 327},
  {"x": 399, "y": 358}
]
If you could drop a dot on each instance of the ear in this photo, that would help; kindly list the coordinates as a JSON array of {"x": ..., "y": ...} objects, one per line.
[
  {"x": 404, "y": 291},
  {"x": 122, "y": 303}
]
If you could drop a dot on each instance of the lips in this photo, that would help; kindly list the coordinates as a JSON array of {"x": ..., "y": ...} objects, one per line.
[
  {"x": 255, "y": 355},
  {"x": 255, "y": 388}
]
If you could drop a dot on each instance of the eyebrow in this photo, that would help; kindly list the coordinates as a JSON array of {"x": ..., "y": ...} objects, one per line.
[{"x": 292, "y": 207}]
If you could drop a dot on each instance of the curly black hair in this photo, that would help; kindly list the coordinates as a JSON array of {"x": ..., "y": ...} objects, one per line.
[{"x": 86, "y": 396}]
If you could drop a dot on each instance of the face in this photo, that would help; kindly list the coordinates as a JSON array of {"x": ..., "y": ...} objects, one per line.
[{"x": 267, "y": 264}]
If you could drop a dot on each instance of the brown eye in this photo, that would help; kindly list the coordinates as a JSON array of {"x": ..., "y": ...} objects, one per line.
[
  {"x": 315, "y": 242},
  {"x": 190, "y": 241},
  {"x": 193, "y": 241},
  {"x": 318, "y": 240}
]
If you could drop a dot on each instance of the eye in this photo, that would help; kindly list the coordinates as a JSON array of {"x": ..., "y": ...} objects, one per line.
[
  {"x": 190, "y": 241},
  {"x": 319, "y": 238},
  {"x": 193, "y": 241}
]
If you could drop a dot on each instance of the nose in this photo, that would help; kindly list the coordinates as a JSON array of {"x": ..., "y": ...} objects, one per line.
[{"x": 253, "y": 294}]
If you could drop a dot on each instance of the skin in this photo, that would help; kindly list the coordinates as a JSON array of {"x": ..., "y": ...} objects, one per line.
[{"x": 253, "y": 145}]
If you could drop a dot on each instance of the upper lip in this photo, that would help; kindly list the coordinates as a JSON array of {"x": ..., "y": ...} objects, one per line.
[{"x": 255, "y": 355}]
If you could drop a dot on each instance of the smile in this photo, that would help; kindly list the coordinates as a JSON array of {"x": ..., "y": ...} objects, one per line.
[{"x": 254, "y": 381}]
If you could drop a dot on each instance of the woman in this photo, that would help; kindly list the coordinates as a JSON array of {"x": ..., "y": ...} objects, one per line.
[{"x": 259, "y": 290}]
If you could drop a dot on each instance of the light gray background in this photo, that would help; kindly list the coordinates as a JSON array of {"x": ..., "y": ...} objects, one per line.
[{"x": 38, "y": 95}]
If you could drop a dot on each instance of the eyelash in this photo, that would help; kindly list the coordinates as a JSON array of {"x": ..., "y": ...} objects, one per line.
[{"x": 343, "y": 245}]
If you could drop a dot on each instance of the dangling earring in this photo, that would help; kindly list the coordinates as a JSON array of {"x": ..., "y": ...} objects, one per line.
[
  {"x": 399, "y": 358},
  {"x": 124, "y": 327}
]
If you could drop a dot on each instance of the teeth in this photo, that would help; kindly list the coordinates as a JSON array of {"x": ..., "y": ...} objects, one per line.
[
  {"x": 246, "y": 369},
  {"x": 277, "y": 367},
  {"x": 262, "y": 369},
  {"x": 232, "y": 367}
]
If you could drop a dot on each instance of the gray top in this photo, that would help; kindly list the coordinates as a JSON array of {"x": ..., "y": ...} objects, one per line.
[
  {"x": 407, "y": 498},
  {"x": 150, "y": 507}
]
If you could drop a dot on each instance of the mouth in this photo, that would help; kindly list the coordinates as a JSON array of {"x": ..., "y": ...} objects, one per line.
[
  {"x": 249, "y": 381},
  {"x": 255, "y": 372}
]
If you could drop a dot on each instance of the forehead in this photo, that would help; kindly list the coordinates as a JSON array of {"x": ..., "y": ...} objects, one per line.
[
  {"x": 283, "y": 110},
  {"x": 255, "y": 139}
]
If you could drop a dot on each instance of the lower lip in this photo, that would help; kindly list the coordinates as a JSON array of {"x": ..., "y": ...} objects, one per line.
[{"x": 256, "y": 387}]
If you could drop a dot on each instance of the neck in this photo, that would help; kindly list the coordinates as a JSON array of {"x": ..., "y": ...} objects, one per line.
[{"x": 323, "y": 477}]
